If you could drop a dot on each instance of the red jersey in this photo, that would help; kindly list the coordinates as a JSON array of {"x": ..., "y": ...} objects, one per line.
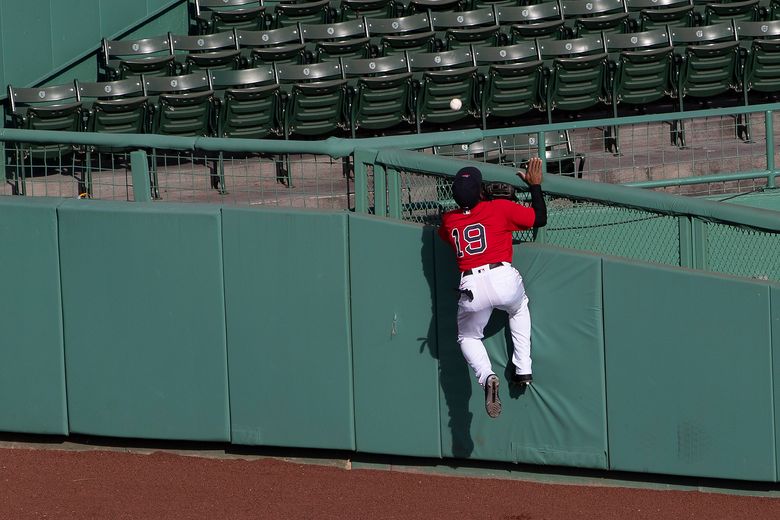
[{"x": 483, "y": 235}]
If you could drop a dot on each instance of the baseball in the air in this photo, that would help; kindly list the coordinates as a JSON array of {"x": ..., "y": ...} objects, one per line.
[{"x": 455, "y": 104}]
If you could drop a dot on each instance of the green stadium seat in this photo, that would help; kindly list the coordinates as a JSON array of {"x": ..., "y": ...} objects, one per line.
[
  {"x": 287, "y": 14},
  {"x": 425, "y": 6},
  {"x": 479, "y": 4},
  {"x": 532, "y": 22},
  {"x": 336, "y": 40},
  {"x": 380, "y": 93},
  {"x": 476, "y": 28},
  {"x": 709, "y": 63},
  {"x": 399, "y": 35},
  {"x": 113, "y": 107},
  {"x": 440, "y": 77},
  {"x": 283, "y": 46},
  {"x": 512, "y": 82},
  {"x": 119, "y": 59},
  {"x": 659, "y": 14},
  {"x": 206, "y": 51},
  {"x": 641, "y": 72},
  {"x": 247, "y": 106},
  {"x": 54, "y": 108},
  {"x": 360, "y": 9},
  {"x": 213, "y": 16},
  {"x": 577, "y": 74},
  {"x": 596, "y": 16},
  {"x": 743, "y": 11},
  {"x": 761, "y": 62},
  {"x": 182, "y": 106},
  {"x": 487, "y": 150},
  {"x": 560, "y": 155}
]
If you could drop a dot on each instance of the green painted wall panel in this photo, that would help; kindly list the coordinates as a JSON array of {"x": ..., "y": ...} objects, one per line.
[
  {"x": 144, "y": 320},
  {"x": 689, "y": 373},
  {"x": 774, "y": 313},
  {"x": 117, "y": 15},
  {"x": 26, "y": 41},
  {"x": 396, "y": 368},
  {"x": 32, "y": 364},
  {"x": 561, "y": 419},
  {"x": 75, "y": 28},
  {"x": 286, "y": 283}
]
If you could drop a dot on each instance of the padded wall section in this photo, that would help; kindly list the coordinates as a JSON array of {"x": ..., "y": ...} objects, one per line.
[
  {"x": 774, "y": 307},
  {"x": 144, "y": 320},
  {"x": 396, "y": 368},
  {"x": 39, "y": 36},
  {"x": 32, "y": 363},
  {"x": 561, "y": 418},
  {"x": 689, "y": 373},
  {"x": 286, "y": 282}
]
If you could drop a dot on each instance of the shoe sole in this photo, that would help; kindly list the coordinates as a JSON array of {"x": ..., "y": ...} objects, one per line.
[{"x": 492, "y": 402}]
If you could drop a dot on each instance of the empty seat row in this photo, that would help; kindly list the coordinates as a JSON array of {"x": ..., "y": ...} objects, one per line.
[
  {"x": 492, "y": 26},
  {"x": 210, "y": 16},
  {"x": 496, "y": 86}
]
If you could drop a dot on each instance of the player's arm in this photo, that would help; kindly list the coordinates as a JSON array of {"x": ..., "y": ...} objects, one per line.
[{"x": 533, "y": 177}]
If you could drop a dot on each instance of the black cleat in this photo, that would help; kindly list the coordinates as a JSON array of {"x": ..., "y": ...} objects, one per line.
[
  {"x": 522, "y": 380},
  {"x": 492, "y": 402}
]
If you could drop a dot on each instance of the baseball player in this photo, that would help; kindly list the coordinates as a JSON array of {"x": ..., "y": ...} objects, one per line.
[{"x": 480, "y": 232}]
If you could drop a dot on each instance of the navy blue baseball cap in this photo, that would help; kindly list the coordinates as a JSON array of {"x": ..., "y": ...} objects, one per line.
[{"x": 467, "y": 187}]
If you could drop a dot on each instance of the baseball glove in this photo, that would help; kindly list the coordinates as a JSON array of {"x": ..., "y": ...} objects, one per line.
[{"x": 500, "y": 190}]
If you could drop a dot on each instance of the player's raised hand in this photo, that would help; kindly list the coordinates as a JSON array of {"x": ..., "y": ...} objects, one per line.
[{"x": 533, "y": 173}]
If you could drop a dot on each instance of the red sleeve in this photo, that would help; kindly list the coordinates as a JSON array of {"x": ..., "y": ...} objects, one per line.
[{"x": 518, "y": 216}]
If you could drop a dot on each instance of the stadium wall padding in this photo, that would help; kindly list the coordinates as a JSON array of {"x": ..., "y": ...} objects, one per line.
[
  {"x": 395, "y": 355},
  {"x": 290, "y": 357},
  {"x": 41, "y": 39},
  {"x": 689, "y": 373},
  {"x": 562, "y": 419},
  {"x": 144, "y": 320},
  {"x": 330, "y": 330},
  {"x": 32, "y": 361}
]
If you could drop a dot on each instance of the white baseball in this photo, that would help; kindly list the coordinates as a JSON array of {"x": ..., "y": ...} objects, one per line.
[{"x": 455, "y": 104}]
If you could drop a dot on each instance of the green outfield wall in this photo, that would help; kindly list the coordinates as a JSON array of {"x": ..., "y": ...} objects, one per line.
[{"x": 336, "y": 330}]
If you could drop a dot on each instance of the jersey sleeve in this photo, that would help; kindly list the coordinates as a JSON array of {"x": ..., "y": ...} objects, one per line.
[{"x": 518, "y": 217}]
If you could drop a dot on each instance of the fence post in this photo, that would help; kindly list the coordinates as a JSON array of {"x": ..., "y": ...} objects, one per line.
[
  {"x": 394, "y": 193},
  {"x": 686, "y": 241},
  {"x": 699, "y": 244},
  {"x": 360, "y": 160},
  {"x": 380, "y": 191},
  {"x": 139, "y": 166},
  {"x": 540, "y": 234},
  {"x": 770, "y": 149}
]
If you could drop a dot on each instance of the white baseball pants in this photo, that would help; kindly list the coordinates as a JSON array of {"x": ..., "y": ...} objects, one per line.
[{"x": 499, "y": 288}]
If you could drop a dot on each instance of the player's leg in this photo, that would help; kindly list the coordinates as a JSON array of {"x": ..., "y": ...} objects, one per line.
[
  {"x": 511, "y": 292},
  {"x": 471, "y": 326}
]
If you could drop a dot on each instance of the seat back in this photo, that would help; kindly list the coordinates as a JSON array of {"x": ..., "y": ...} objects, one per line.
[
  {"x": 513, "y": 80},
  {"x": 182, "y": 104},
  {"x": 643, "y": 67},
  {"x": 578, "y": 73},
  {"x": 743, "y": 11},
  {"x": 709, "y": 60},
  {"x": 596, "y": 16},
  {"x": 405, "y": 34},
  {"x": 283, "y": 45},
  {"x": 477, "y": 27},
  {"x": 315, "y": 98},
  {"x": 286, "y": 14},
  {"x": 115, "y": 106},
  {"x": 360, "y": 9},
  {"x": 119, "y": 59},
  {"x": 337, "y": 40},
  {"x": 424, "y": 6},
  {"x": 213, "y": 16},
  {"x": 762, "y": 62},
  {"x": 542, "y": 21},
  {"x": 381, "y": 92},
  {"x": 207, "y": 51},
  {"x": 488, "y": 150},
  {"x": 560, "y": 154},
  {"x": 248, "y": 103},
  {"x": 443, "y": 76}
]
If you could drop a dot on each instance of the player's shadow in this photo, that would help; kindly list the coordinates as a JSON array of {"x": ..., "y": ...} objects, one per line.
[{"x": 455, "y": 377}]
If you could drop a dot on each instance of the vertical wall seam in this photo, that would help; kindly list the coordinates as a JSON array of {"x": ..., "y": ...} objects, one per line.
[
  {"x": 221, "y": 229},
  {"x": 604, "y": 361},
  {"x": 62, "y": 319},
  {"x": 351, "y": 331}
]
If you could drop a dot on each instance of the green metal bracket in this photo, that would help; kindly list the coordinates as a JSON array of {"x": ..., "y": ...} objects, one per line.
[
  {"x": 361, "y": 160},
  {"x": 394, "y": 192},
  {"x": 699, "y": 244},
  {"x": 686, "y": 242},
  {"x": 380, "y": 191},
  {"x": 139, "y": 165}
]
